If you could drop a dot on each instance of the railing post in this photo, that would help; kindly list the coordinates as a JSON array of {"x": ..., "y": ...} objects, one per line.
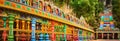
[
  {"x": 11, "y": 23},
  {"x": 4, "y": 25},
  {"x": 33, "y": 29}
]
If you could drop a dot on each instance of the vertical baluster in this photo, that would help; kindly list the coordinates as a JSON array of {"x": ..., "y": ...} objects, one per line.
[
  {"x": 45, "y": 26},
  {"x": 4, "y": 25},
  {"x": 30, "y": 2},
  {"x": 60, "y": 37},
  {"x": 37, "y": 28},
  {"x": 42, "y": 28},
  {"x": 41, "y": 5},
  {"x": 33, "y": 29},
  {"x": 41, "y": 37},
  {"x": 23, "y": 28},
  {"x": 17, "y": 27},
  {"x": 28, "y": 24},
  {"x": 11, "y": 23},
  {"x": 23, "y": 24},
  {"x": 28, "y": 28},
  {"x": 65, "y": 33},
  {"x": 47, "y": 35},
  {"x": 52, "y": 26}
]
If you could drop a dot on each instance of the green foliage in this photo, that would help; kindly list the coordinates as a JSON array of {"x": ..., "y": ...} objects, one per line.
[
  {"x": 59, "y": 3},
  {"x": 90, "y": 9},
  {"x": 116, "y": 12}
]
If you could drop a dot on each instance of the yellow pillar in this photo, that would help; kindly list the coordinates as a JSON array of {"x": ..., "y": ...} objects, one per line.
[
  {"x": 23, "y": 24},
  {"x": 17, "y": 27},
  {"x": 28, "y": 25},
  {"x": 28, "y": 28},
  {"x": 17, "y": 24}
]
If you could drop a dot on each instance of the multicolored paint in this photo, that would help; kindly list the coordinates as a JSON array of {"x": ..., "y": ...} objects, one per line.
[
  {"x": 65, "y": 26},
  {"x": 35, "y": 24},
  {"x": 11, "y": 23},
  {"x": 17, "y": 27},
  {"x": 4, "y": 25},
  {"x": 33, "y": 29}
]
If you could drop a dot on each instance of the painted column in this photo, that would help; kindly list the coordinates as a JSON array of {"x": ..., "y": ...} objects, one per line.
[
  {"x": 23, "y": 28},
  {"x": 11, "y": 23},
  {"x": 41, "y": 37},
  {"x": 46, "y": 30},
  {"x": 33, "y": 29},
  {"x": 88, "y": 37},
  {"x": 37, "y": 28},
  {"x": 23, "y": 24},
  {"x": 53, "y": 24},
  {"x": 17, "y": 27},
  {"x": 65, "y": 26},
  {"x": 4, "y": 25},
  {"x": 81, "y": 38},
  {"x": 28, "y": 28},
  {"x": 47, "y": 37}
]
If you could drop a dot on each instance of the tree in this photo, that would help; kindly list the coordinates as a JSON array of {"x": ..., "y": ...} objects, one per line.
[
  {"x": 116, "y": 12},
  {"x": 90, "y": 9}
]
